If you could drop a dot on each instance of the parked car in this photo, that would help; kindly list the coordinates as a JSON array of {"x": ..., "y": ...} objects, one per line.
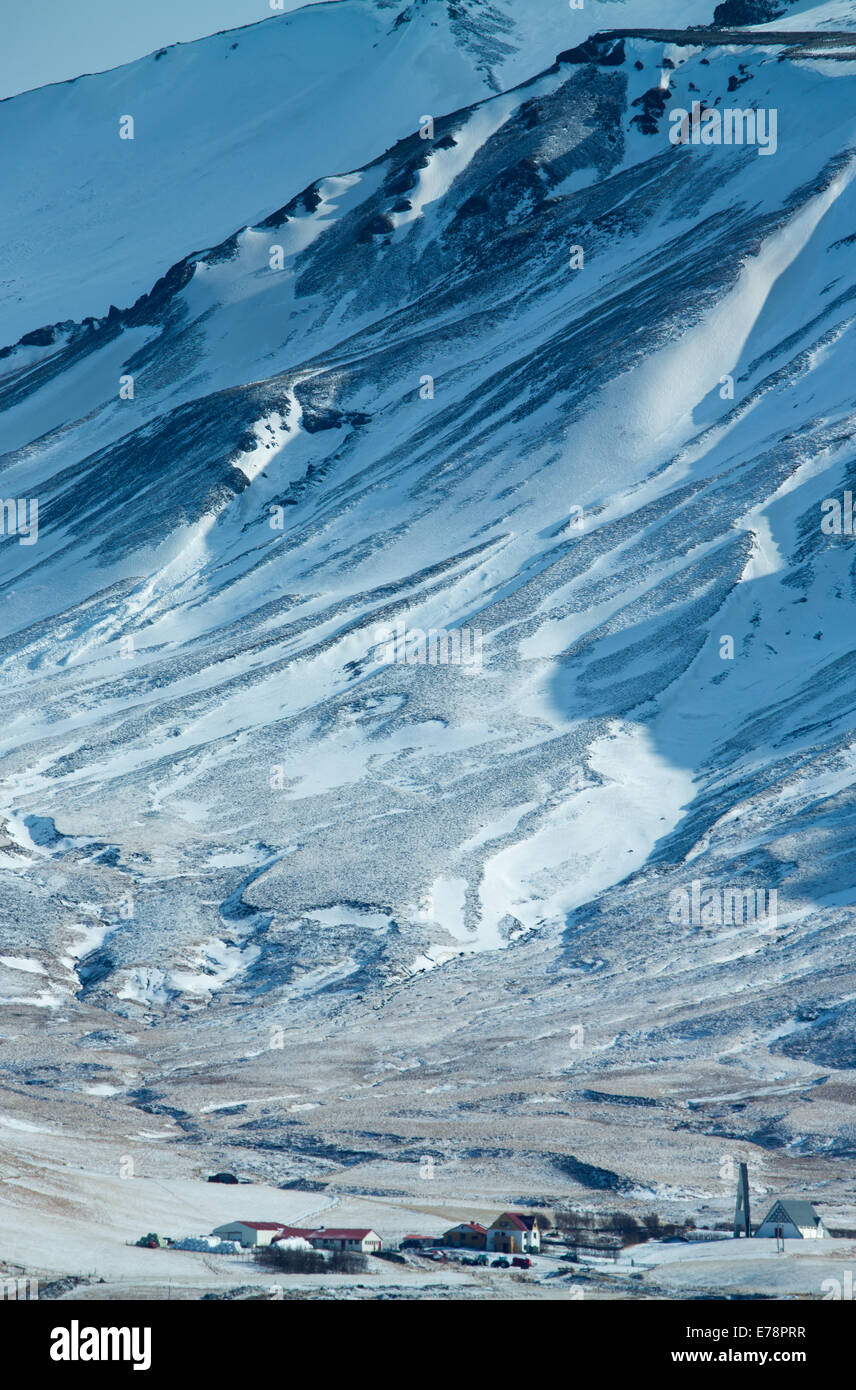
[
  {"x": 501, "y": 1263},
  {"x": 521, "y": 1262},
  {"x": 222, "y": 1177}
]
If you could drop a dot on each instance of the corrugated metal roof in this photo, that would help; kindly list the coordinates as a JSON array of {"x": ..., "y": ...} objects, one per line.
[
  {"x": 343, "y": 1233},
  {"x": 254, "y": 1225},
  {"x": 522, "y": 1223}
]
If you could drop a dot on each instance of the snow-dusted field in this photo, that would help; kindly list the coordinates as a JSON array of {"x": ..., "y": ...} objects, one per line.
[{"x": 749, "y": 1267}]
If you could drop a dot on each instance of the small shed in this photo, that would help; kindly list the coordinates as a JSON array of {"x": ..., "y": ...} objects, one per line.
[{"x": 794, "y": 1219}]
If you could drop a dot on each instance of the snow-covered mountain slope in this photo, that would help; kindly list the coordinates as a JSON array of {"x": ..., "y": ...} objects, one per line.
[
  {"x": 546, "y": 377},
  {"x": 235, "y": 125}
]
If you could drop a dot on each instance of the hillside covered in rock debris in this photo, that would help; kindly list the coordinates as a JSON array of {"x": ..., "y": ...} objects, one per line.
[{"x": 482, "y": 352}]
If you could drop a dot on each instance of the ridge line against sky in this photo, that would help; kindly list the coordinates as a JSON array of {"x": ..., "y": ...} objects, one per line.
[{"x": 55, "y": 42}]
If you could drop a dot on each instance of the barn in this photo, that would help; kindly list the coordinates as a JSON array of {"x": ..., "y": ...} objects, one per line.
[
  {"x": 794, "y": 1219},
  {"x": 249, "y": 1233}
]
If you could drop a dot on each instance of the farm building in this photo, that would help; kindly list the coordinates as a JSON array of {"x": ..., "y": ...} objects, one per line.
[
  {"x": 794, "y": 1219},
  {"x": 469, "y": 1234},
  {"x": 364, "y": 1241},
  {"x": 259, "y": 1233},
  {"x": 515, "y": 1234},
  {"x": 249, "y": 1233},
  {"x": 420, "y": 1242}
]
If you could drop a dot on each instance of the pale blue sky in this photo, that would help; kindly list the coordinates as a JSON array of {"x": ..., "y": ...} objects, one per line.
[{"x": 52, "y": 40}]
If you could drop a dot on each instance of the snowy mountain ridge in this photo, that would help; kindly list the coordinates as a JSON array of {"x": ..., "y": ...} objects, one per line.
[
  {"x": 235, "y": 125},
  {"x": 535, "y": 372}
]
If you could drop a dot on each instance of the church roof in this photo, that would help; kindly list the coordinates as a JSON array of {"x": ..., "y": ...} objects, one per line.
[{"x": 797, "y": 1210}]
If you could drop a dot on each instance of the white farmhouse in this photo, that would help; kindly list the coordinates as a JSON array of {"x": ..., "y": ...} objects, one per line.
[
  {"x": 249, "y": 1233},
  {"x": 515, "y": 1233},
  {"x": 793, "y": 1219},
  {"x": 360, "y": 1240}
]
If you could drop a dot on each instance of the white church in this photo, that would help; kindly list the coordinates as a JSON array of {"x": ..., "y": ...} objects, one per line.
[{"x": 794, "y": 1219}]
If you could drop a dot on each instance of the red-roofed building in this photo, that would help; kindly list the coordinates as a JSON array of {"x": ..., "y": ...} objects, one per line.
[
  {"x": 469, "y": 1235},
  {"x": 361, "y": 1239},
  {"x": 258, "y": 1233},
  {"x": 514, "y": 1233}
]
